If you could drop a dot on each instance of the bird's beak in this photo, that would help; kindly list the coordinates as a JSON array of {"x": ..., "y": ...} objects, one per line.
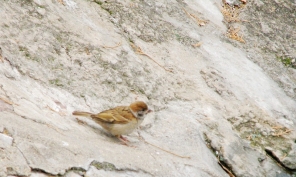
[{"x": 149, "y": 110}]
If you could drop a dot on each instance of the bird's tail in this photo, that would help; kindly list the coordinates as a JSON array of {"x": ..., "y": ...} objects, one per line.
[{"x": 84, "y": 114}]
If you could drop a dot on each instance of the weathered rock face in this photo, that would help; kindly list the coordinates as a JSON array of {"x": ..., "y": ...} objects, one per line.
[{"x": 213, "y": 104}]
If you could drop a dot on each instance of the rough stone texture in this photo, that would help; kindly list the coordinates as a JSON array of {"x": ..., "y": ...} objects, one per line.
[
  {"x": 5, "y": 141},
  {"x": 223, "y": 102},
  {"x": 271, "y": 38}
]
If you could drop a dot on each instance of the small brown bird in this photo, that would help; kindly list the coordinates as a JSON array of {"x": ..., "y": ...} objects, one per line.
[{"x": 121, "y": 120}]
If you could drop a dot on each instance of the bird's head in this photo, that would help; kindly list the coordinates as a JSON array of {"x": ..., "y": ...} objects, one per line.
[{"x": 139, "y": 109}]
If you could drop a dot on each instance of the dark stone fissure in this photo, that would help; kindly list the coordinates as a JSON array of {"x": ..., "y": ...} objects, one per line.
[
  {"x": 227, "y": 168},
  {"x": 279, "y": 162}
]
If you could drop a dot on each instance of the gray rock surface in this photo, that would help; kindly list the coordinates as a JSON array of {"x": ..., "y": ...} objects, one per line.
[{"x": 219, "y": 109}]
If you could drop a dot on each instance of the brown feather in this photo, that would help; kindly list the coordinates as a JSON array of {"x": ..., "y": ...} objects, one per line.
[
  {"x": 119, "y": 120},
  {"x": 138, "y": 106},
  {"x": 117, "y": 115}
]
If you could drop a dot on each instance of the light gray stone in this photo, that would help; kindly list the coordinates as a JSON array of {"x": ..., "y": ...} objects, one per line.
[
  {"x": 41, "y": 11},
  {"x": 5, "y": 141},
  {"x": 212, "y": 102}
]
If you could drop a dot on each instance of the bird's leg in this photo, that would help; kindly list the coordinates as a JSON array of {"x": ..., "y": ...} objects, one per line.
[{"x": 123, "y": 140}]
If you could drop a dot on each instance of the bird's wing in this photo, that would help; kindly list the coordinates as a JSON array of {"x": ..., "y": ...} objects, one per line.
[{"x": 118, "y": 115}]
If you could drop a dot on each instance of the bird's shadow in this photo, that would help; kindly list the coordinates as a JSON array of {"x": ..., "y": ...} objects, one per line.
[
  {"x": 95, "y": 128},
  {"x": 107, "y": 136}
]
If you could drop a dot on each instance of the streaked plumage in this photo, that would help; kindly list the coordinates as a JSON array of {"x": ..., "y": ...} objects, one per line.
[{"x": 121, "y": 120}]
